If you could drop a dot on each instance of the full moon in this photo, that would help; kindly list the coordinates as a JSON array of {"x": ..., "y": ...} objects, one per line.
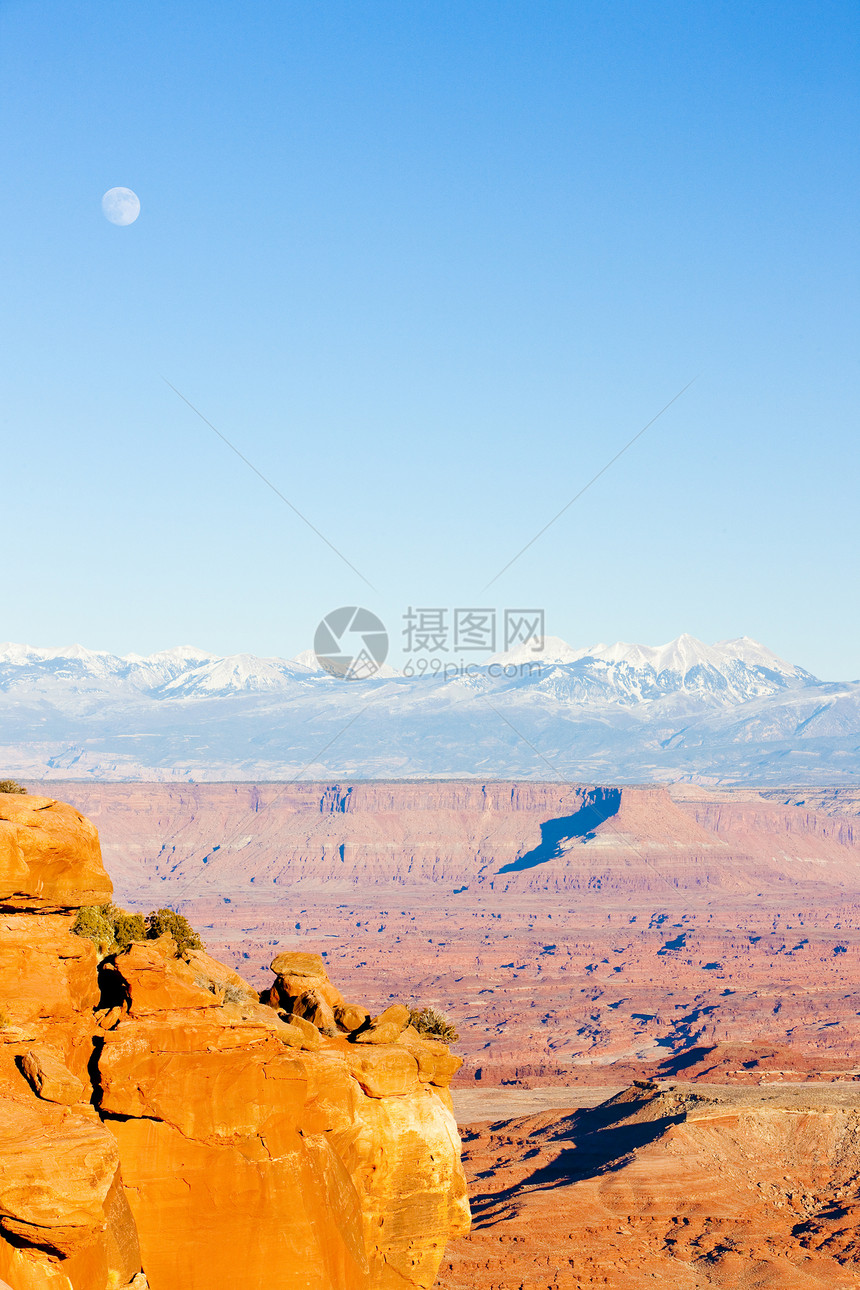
[{"x": 121, "y": 205}]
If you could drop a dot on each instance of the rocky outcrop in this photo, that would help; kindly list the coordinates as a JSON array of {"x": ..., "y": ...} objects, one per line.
[
  {"x": 161, "y": 1126},
  {"x": 50, "y": 857},
  {"x": 65, "y": 1222},
  {"x": 687, "y": 1186}
]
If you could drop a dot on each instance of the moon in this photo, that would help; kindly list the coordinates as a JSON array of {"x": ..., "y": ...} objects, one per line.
[{"x": 121, "y": 205}]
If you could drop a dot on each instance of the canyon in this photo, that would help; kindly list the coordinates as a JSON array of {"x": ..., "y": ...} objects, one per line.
[
  {"x": 574, "y": 934},
  {"x": 692, "y": 1185},
  {"x": 655, "y": 994}
]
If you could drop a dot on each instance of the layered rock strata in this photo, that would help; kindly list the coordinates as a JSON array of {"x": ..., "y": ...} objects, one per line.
[{"x": 160, "y": 1126}]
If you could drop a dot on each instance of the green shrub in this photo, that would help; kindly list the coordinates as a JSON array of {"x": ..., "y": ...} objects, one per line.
[
  {"x": 433, "y": 1024},
  {"x": 11, "y": 786},
  {"x": 96, "y": 923},
  {"x": 127, "y": 928},
  {"x": 112, "y": 930},
  {"x": 160, "y": 921}
]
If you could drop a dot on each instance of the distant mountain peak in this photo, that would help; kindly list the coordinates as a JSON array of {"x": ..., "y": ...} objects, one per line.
[
  {"x": 181, "y": 653},
  {"x": 679, "y": 656},
  {"x": 552, "y": 649},
  {"x": 614, "y": 712}
]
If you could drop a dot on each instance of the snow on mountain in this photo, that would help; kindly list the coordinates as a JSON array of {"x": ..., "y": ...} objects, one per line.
[
  {"x": 686, "y": 654},
  {"x": 725, "y": 673},
  {"x": 179, "y": 654},
  {"x": 732, "y": 711},
  {"x": 728, "y": 672},
  {"x": 551, "y": 650},
  {"x": 239, "y": 673},
  {"x": 75, "y": 668},
  {"x": 307, "y": 658}
]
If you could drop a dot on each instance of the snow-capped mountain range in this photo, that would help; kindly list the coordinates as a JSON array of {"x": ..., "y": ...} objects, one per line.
[{"x": 730, "y": 712}]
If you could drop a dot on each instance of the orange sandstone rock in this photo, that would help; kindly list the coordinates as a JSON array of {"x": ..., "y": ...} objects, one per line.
[
  {"x": 297, "y": 963},
  {"x": 386, "y": 1070},
  {"x": 49, "y": 1078},
  {"x": 218, "y": 976},
  {"x": 154, "y": 1113},
  {"x": 404, "y": 1156},
  {"x": 156, "y": 983},
  {"x": 386, "y": 1032},
  {"x": 350, "y": 1016},
  {"x": 302, "y": 986},
  {"x": 316, "y": 1009},
  {"x": 307, "y": 1029},
  {"x": 60, "y": 1195},
  {"x": 397, "y": 1015},
  {"x": 59, "y": 850},
  {"x": 14, "y": 871},
  {"x": 46, "y": 972}
]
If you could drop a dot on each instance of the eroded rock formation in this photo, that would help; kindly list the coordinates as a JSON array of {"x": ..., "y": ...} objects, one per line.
[
  {"x": 687, "y": 1186},
  {"x": 161, "y": 1126}
]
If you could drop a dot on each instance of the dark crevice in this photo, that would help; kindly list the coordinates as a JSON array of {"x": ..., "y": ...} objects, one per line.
[
  {"x": 112, "y": 986},
  {"x": 94, "y": 1072}
]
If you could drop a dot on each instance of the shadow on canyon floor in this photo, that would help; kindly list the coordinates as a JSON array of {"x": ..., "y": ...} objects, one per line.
[
  {"x": 603, "y": 804},
  {"x": 583, "y": 1145}
]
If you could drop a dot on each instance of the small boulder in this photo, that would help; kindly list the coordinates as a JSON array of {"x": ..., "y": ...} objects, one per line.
[
  {"x": 291, "y": 1036},
  {"x": 307, "y": 1028},
  {"x": 297, "y": 973},
  {"x": 397, "y": 1015},
  {"x": 297, "y": 963},
  {"x": 50, "y": 1079},
  {"x": 316, "y": 1009},
  {"x": 387, "y": 1032},
  {"x": 351, "y": 1016}
]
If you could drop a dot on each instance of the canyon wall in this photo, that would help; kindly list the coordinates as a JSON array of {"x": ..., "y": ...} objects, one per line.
[{"x": 390, "y": 837}]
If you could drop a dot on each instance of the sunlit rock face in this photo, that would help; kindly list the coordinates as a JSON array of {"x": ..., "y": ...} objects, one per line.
[
  {"x": 161, "y": 1126},
  {"x": 50, "y": 857}
]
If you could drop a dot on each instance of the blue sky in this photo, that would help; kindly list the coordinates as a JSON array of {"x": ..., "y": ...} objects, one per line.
[{"x": 429, "y": 266}]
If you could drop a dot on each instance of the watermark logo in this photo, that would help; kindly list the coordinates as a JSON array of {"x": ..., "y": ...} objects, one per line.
[
  {"x": 434, "y": 631},
  {"x": 433, "y": 635},
  {"x": 351, "y": 643}
]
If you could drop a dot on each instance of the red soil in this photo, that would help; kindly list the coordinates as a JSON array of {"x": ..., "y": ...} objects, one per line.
[{"x": 556, "y": 949}]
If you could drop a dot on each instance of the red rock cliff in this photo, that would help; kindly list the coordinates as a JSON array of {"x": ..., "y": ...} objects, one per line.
[{"x": 160, "y": 1126}]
